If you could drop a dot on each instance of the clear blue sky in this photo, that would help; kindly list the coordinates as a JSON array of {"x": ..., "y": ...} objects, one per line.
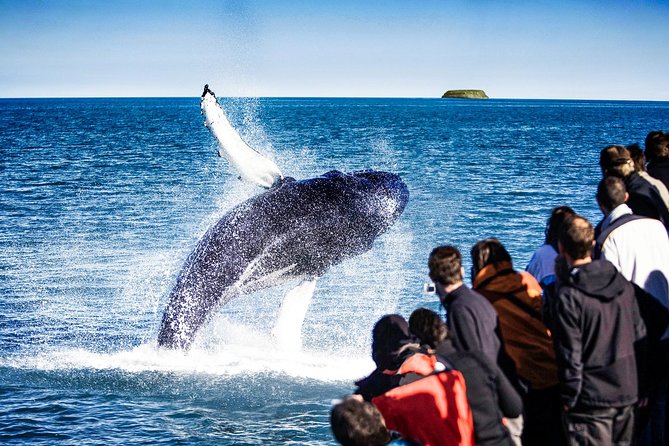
[{"x": 512, "y": 49}]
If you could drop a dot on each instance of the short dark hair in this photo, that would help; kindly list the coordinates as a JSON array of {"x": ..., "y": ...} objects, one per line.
[
  {"x": 428, "y": 327},
  {"x": 657, "y": 145},
  {"x": 488, "y": 252},
  {"x": 445, "y": 264},
  {"x": 611, "y": 193},
  {"x": 358, "y": 423},
  {"x": 554, "y": 222},
  {"x": 576, "y": 237}
]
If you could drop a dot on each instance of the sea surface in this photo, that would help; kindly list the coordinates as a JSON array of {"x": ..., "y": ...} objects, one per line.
[{"x": 103, "y": 199}]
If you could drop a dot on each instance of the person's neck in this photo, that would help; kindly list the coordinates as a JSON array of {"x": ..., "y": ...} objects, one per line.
[
  {"x": 580, "y": 262},
  {"x": 452, "y": 287}
]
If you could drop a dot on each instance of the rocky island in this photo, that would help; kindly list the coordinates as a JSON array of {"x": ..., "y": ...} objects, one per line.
[{"x": 465, "y": 94}]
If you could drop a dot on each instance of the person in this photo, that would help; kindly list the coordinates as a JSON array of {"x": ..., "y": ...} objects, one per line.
[
  {"x": 359, "y": 423},
  {"x": 639, "y": 249},
  {"x": 597, "y": 325},
  {"x": 644, "y": 198},
  {"x": 423, "y": 399},
  {"x": 516, "y": 296},
  {"x": 490, "y": 394},
  {"x": 542, "y": 263},
  {"x": 639, "y": 162},
  {"x": 392, "y": 345},
  {"x": 471, "y": 320},
  {"x": 657, "y": 155}
]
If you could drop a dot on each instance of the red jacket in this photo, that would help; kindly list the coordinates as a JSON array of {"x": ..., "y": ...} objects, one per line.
[{"x": 432, "y": 410}]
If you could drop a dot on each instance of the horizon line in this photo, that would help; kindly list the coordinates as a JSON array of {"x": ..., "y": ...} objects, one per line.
[{"x": 337, "y": 97}]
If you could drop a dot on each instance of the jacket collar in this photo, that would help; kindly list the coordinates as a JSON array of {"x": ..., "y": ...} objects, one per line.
[{"x": 615, "y": 214}]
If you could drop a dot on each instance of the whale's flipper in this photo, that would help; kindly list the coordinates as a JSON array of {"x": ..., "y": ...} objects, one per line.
[
  {"x": 251, "y": 165},
  {"x": 288, "y": 326}
]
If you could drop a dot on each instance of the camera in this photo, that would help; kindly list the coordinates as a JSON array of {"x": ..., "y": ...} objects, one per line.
[{"x": 429, "y": 288}]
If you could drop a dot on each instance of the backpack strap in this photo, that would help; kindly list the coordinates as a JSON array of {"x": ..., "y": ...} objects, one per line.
[{"x": 604, "y": 235}]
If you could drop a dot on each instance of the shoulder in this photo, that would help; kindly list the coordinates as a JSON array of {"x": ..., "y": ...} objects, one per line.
[{"x": 638, "y": 227}]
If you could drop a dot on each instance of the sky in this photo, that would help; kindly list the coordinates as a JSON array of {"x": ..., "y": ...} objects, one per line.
[{"x": 347, "y": 48}]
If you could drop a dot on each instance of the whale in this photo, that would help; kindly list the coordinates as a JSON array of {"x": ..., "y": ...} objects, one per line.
[{"x": 293, "y": 231}]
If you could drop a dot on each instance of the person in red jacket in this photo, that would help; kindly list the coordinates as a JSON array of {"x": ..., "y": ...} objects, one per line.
[
  {"x": 419, "y": 397},
  {"x": 490, "y": 394}
]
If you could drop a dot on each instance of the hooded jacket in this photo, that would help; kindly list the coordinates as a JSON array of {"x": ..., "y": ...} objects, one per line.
[
  {"x": 526, "y": 339},
  {"x": 428, "y": 406},
  {"x": 597, "y": 323},
  {"x": 392, "y": 345}
]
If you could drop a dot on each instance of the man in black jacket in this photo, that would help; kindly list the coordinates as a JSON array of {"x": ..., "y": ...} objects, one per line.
[
  {"x": 471, "y": 320},
  {"x": 597, "y": 326}
]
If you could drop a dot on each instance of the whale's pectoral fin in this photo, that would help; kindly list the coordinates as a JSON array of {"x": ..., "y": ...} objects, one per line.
[
  {"x": 251, "y": 165},
  {"x": 288, "y": 326}
]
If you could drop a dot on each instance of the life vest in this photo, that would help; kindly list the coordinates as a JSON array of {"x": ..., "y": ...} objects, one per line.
[{"x": 432, "y": 409}]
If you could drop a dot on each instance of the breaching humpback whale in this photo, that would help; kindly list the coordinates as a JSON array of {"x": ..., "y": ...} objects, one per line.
[{"x": 295, "y": 230}]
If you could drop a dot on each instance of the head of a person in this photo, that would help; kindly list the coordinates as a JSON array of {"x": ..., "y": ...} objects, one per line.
[
  {"x": 616, "y": 161},
  {"x": 554, "y": 222},
  {"x": 638, "y": 160},
  {"x": 611, "y": 193},
  {"x": 486, "y": 252},
  {"x": 657, "y": 145},
  {"x": 391, "y": 342},
  {"x": 358, "y": 423},
  {"x": 445, "y": 265},
  {"x": 577, "y": 237},
  {"x": 428, "y": 327}
]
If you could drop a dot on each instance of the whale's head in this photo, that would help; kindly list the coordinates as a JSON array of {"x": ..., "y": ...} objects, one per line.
[
  {"x": 370, "y": 200},
  {"x": 387, "y": 195}
]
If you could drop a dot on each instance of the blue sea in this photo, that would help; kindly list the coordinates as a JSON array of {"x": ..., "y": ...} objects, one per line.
[{"x": 103, "y": 199}]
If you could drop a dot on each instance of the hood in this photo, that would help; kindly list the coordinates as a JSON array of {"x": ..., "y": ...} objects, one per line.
[
  {"x": 390, "y": 337},
  {"x": 598, "y": 279},
  {"x": 501, "y": 278}
]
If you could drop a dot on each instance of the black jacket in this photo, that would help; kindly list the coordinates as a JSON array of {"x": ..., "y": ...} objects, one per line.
[
  {"x": 474, "y": 327},
  {"x": 597, "y": 324},
  {"x": 490, "y": 394},
  {"x": 645, "y": 200},
  {"x": 659, "y": 168}
]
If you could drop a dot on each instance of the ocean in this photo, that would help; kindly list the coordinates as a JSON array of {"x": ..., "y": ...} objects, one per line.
[{"x": 103, "y": 199}]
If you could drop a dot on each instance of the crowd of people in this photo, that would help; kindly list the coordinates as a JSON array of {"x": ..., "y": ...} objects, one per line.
[{"x": 572, "y": 351}]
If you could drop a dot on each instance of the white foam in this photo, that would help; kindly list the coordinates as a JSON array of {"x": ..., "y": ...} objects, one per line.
[{"x": 232, "y": 359}]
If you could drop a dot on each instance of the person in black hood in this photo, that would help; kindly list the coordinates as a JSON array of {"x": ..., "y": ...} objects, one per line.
[
  {"x": 392, "y": 344},
  {"x": 597, "y": 327}
]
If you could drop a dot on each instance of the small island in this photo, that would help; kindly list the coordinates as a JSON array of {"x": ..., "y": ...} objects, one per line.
[{"x": 465, "y": 94}]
